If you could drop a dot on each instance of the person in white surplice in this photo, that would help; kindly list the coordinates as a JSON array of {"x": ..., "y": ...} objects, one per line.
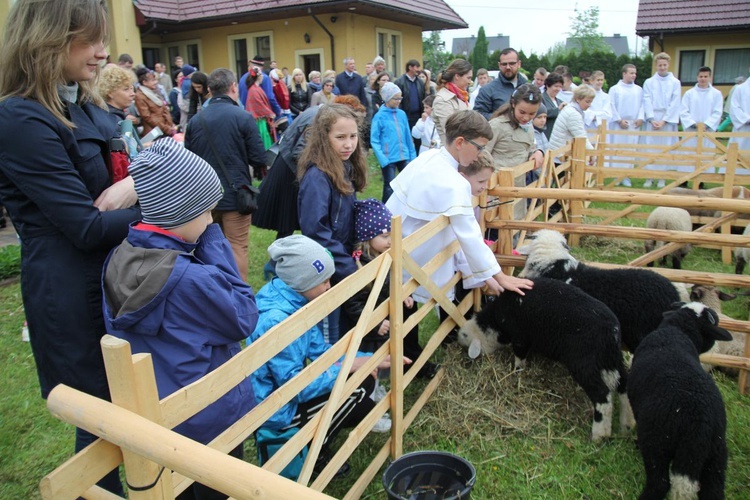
[
  {"x": 626, "y": 101},
  {"x": 701, "y": 104},
  {"x": 661, "y": 107},
  {"x": 739, "y": 112}
]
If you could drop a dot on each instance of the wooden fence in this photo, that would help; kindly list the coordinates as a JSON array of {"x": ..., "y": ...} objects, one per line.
[
  {"x": 135, "y": 428},
  {"x": 579, "y": 179}
]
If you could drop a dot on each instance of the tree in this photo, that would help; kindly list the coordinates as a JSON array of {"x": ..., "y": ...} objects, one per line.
[
  {"x": 584, "y": 29},
  {"x": 436, "y": 58},
  {"x": 479, "y": 56}
]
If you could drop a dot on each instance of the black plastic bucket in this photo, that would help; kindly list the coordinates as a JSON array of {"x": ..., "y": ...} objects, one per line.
[{"x": 429, "y": 475}]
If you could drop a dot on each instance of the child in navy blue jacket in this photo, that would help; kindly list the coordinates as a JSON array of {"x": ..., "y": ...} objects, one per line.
[
  {"x": 390, "y": 137},
  {"x": 172, "y": 288}
]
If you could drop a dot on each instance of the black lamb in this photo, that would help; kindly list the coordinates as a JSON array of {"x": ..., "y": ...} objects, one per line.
[
  {"x": 638, "y": 297},
  {"x": 562, "y": 323},
  {"x": 679, "y": 412}
]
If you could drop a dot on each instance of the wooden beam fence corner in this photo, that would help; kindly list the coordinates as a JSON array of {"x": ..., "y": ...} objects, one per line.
[{"x": 135, "y": 428}]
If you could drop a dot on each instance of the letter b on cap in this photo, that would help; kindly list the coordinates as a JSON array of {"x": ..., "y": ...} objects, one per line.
[{"x": 319, "y": 266}]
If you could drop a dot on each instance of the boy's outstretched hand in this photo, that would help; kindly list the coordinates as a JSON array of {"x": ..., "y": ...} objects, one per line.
[{"x": 502, "y": 282}]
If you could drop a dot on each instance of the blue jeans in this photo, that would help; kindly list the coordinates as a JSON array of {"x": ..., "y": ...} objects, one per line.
[{"x": 389, "y": 173}]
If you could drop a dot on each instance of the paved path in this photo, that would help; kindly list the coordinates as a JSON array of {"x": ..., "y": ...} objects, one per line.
[{"x": 8, "y": 235}]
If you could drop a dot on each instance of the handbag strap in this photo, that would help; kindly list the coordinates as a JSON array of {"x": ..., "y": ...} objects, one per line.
[{"x": 213, "y": 150}]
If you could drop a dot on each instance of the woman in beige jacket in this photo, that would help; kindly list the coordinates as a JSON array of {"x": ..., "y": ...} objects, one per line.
[{"x": 452, "y": 94}]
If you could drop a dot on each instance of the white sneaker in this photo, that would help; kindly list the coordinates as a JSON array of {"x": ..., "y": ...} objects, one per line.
[
  {"x": 661, "y": 183},
  {"x": 626, "y": 182},
  {"x": 648, "y": 183},
  {"x": 383, "y": 425}
]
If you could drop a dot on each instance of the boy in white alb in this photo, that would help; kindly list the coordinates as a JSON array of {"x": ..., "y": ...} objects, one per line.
[
  {"x": 701, "y": 104},
  {"x": 661, "y": 108},
  {"x": 433, "y": 185},
  {"x": 600, "y": 108},
  {"x": 739, "y": 112},
  {"x": 626, "y": 104}
]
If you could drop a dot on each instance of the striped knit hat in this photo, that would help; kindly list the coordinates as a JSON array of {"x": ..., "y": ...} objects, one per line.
[{"x": 174, "y": 185}]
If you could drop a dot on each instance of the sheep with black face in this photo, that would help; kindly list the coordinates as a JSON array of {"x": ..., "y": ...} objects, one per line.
[
  {"x": 638, "y": 297},
  {"x": 679, "y": 412},
  {"x": 564, "y": 324}
]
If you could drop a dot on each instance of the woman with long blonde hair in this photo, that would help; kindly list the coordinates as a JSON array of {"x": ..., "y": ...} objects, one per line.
[
  {"x": 56, "y": 137},
  {"x": 299, "y": 93}
]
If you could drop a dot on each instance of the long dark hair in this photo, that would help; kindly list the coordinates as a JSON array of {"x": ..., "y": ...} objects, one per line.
[
  {"x": 199, "y": 78},
  {"x": 528, "y": 92}
]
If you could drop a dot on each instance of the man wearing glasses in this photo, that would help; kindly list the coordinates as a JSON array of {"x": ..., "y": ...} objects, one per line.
[{"x": 498, "y": 91}]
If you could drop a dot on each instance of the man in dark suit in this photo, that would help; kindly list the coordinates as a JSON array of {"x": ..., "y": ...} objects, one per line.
[
  {"x": 412, "y": 91},
  {"x": 350, "y": 83}
]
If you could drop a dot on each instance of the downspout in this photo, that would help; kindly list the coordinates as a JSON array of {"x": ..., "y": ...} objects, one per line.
[{"x": 330, "y": 35}]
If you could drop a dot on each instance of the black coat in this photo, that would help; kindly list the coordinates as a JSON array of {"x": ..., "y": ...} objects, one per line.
[
  {"x": 404, "y": 84},
  {"x": 299, "y": 99},
  {"x": 50, "y": 176},
  {"x": 235, "y": 137}
]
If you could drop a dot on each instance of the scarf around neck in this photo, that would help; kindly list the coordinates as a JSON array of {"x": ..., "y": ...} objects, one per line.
[
  {"x": 460, "y": 93},
  {"x": 151, "y": 95},
  {"x": 68, "y": 93}
]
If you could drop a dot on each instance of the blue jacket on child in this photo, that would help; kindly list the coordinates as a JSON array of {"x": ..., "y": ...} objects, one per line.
[
  {"x": 186, "y": 305},
  {"x": 390, "y": 136},
  {"x": 276, "y": 302}
]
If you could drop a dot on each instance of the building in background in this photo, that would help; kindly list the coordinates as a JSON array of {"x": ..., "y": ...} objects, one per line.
[
  {"x": 462, "y": 47},
  {"x": 697, "y": 33}
]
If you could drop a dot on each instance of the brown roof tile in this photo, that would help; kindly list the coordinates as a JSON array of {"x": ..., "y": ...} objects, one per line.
[
  {"x": 435, "y": 11},
  {"x": 691, "y": 15}
]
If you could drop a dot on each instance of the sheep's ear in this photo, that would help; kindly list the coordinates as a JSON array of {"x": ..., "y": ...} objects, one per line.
[
  {"x": 475, "y": 349},
  {"x": 713, "y": 330},
  {"x": 524, "y": 249},
  {"x": 724, "y": 296},
  {"x": 676, "y": 305}
]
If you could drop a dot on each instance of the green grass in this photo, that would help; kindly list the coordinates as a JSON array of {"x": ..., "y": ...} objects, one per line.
[
  {"x": 526, "y": 434},
  {"x": 10, "y": 261}
]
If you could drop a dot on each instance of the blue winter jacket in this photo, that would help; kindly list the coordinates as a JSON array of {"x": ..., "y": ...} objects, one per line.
[
  {"x": 276, "y": 302},
  {"x": 390, "y": 136},
  {"x": 327, "y": 216},
  {"x": 186, "y": 305}
]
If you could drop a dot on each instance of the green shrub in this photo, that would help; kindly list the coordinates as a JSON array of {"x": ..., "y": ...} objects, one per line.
[{"x": 10, "y": 261}]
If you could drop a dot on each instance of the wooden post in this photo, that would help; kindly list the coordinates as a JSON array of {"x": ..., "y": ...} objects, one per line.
[
  {"x": 396, "y": 340},
  {"x": 577, "y": 181},
  {"x": 701, "y": 132},
  {"x": 600, "y": 147},
  {"x": 132, "y": 384},
  {"x": 732, "y": 157},
  {"x": 505, "y": 212}
]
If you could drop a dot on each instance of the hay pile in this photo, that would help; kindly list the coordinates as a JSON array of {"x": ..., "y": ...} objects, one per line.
[{"x": 486, "y": 397}]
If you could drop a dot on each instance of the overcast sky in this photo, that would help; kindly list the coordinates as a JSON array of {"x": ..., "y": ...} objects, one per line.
[{"x": 536, "y": 25}]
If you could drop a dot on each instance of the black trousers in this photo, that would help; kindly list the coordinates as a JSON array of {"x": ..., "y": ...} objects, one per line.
[{"x": 352, "y": 412}]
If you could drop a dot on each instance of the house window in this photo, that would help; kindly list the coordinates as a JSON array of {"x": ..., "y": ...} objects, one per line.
[
  {"x": 729, "y": 64},
  {"x": 690, "y": 61},
  {"x": 246, "y": 46},
  {"x": 189, "y": 50},
  {"x": 389, "y": 48}
]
